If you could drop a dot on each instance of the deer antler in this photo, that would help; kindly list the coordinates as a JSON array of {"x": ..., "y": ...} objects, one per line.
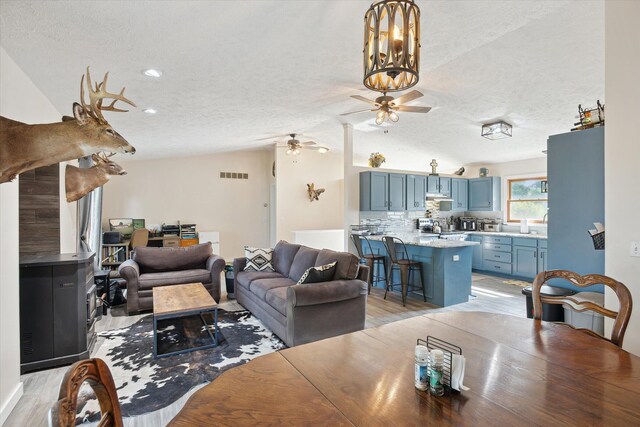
[{"x": 96, "y": 96}]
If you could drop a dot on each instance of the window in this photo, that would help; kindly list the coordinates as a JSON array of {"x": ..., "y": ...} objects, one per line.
[{"x": 527, "y": 199}]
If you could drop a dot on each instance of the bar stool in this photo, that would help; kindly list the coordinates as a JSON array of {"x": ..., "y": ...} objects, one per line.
[
  {"x": 406, "y": 266},
  {"x": 371, "y": 260}
]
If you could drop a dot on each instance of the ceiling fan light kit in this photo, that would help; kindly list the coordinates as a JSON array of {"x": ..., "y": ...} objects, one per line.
[
  {"x": 497, "y": 130},
  {"x": 391, "y": 45},
  {"x": 294, "y": 146}
]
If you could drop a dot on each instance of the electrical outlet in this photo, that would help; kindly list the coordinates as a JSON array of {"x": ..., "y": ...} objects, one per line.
[
  {"x": 456, "y": 257},
  {"x": 635, "y": 249}
]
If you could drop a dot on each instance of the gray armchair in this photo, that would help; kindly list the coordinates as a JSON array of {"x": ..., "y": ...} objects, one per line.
[{"x": 151, "y": 267}]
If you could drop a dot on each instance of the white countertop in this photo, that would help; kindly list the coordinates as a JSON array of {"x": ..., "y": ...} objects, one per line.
[
  {"x": 508, "y": 234},
  {"x": 416, "y": 240}
]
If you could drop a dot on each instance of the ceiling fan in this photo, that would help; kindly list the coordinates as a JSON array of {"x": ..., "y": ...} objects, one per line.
[
  {"x": 294, "y": 145},
  {"x": 388, "y": 106}
]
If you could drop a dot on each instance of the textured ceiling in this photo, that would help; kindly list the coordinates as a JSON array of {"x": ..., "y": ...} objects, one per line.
[{"x": 241, "y": 70}]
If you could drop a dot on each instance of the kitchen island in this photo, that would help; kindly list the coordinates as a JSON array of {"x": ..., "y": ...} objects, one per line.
[{"x": 446, "y": 266}]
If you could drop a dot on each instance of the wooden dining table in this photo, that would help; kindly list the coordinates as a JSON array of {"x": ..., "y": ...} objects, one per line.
[{"x": 519, "y": 371}]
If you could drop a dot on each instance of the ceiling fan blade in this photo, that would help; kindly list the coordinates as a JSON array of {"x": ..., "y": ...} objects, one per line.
[
  {"x": 414, "y": 94},
  {"x": 272, "y": 137},
  {"x": 319, "y": 147},
  {"x": 308, "y": 143},
  {"x": 355, "y": 112},
  {"x": 362, "y": 98},
  {"x": 409, "y": 109}
]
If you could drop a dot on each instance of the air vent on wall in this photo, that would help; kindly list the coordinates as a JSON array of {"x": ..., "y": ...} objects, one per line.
[{"x": 234, "y": 175}]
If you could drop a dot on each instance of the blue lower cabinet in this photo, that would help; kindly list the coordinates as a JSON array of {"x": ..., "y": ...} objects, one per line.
[
  {"x": 497, "y": 267},
  {"x": 525, "y": 261},
  {"x": 476, "y": 262},
  {"x": 542, "y": 258}
]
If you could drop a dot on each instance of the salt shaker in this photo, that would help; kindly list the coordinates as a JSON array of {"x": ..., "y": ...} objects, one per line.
[
  {"x": 422, "y": 363},
  {"x": 435, "y": 376}
]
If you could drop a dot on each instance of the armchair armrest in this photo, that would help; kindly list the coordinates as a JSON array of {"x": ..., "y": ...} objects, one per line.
[
  {"x": 129, "y": 270},
  {"x": 327, "y": 292},
  {"x": 239, "y": 264},
  {"x": 363, "y": 273},
  {"x": 215, "y": 265}
]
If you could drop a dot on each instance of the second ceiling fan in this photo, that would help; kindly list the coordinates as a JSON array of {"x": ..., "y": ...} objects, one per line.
[{"x": 388, "y": 106}]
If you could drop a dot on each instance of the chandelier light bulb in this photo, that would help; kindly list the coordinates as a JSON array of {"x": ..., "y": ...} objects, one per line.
[
  {"x": 288, "y": 151},
  {"x": 380, "y": 114},
  {"x": 379, "y": 120},
  {"x": 393, "y": 116}
]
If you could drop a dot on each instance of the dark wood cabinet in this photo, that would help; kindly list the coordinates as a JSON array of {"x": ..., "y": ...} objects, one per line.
[{"x": 58, "y": 309}]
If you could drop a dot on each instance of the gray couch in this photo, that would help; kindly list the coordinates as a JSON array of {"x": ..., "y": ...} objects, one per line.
[
  {"x": 300, "y": 314},
  {"x": 151, "y": 267}
]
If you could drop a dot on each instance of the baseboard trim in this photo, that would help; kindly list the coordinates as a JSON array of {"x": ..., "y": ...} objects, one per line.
[{"x": 11, "y": 402}]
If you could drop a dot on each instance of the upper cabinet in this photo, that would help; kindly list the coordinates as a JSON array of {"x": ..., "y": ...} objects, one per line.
[
  {"x": 397, "y": 192},
  {"x": 381, "y": 191},
  {"x": 416, "y": 192},
  {"x": 459, "y": 194},
  {"x": 438, "y": 185},
  {"x": 484, "y": 194}
]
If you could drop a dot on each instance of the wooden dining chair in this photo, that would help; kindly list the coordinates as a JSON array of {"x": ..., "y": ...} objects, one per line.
[
  {"x": 139, "y": 237},
  {"x": 621, "y": 317},
  {"x": 97, "y": 374}
]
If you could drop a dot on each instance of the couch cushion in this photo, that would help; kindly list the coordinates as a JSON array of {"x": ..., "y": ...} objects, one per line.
[
  {"x": 244, "y": 278},
  {"x": 323, "y": 273},
  {"x": 347, "y": 267},
  {"x": 153, "y": 260},
  {"x": 261, "y": 286},
  {"x": 149, "y": 280},
  {"x": 283, "y": 255},
  {"x": 305, "y": 258},
  {"x": 277, "y": 298}
]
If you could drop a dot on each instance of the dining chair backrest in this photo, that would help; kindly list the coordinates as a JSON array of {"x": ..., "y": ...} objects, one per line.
[
  {"x": 621, "y": 317},
  {"x": 358, "y": 245},
  {"x": 139, "y": 237},
  {"x": 393, "y": 244},
  {"x": 97, "y": 374}
]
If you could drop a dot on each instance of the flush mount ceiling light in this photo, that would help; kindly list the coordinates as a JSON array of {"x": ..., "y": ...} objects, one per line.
[
  {"x": 496, "y": 130},
  {"x": 391, "y": 45},
  {"x": 150, "y": 110},
  {"x": 151, "y": 72}
]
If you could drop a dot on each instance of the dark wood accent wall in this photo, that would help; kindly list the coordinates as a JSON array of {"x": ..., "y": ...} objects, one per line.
[{"x": 40, "y": 211}]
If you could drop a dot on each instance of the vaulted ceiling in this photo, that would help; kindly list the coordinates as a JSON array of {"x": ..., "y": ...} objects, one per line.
[{"x": 241, "y": 70}]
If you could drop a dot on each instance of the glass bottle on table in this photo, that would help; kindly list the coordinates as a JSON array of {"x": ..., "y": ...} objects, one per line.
[{"x": 436, "y": 373}]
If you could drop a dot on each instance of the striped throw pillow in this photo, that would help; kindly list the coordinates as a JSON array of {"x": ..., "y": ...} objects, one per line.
[{"x": 258, "y": 259}]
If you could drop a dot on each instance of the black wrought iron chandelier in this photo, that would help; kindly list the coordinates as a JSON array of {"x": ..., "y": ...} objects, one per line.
[{"x": 391, "y": 45}]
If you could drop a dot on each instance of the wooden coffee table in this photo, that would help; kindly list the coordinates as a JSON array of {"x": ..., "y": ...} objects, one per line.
[{"x": 176, "y": 301}]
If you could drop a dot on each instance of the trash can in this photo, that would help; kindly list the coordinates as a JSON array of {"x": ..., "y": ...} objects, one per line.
[
  {"x": 550, "y": 312},
  {"x": 229, "y": 279}
]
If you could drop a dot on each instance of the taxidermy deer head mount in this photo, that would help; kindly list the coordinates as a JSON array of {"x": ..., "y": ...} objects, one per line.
[
  {"x": 313, "y": 193},
  {"x": 81, "y": 181},
  {"x": 24, "y": 147}
]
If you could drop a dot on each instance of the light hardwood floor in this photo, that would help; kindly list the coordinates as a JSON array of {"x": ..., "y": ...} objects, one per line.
[{"x": 491, "y": 294}]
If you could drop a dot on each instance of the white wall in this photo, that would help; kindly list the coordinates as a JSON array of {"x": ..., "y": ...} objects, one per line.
[
  {"x": 622, "y": 154},
  {"x": 21, "y": 100},
  {"x": 190, "y": 190},
  {"x": 294, "y": 210}
]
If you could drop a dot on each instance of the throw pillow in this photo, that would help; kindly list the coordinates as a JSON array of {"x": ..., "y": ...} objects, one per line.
[
  {"x": 258, "y": 259},
  {"x": 323, "y": 273}
]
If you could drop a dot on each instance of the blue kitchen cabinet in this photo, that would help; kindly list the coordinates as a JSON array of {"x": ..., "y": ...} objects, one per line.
[
  {"x": 438, "y": 185},
  {"x": 397, "y": 192},
  {"x": 524, "y": 261},
  {"x": 374, "y": 191},
  {"x": 459, "y": 194},
  {"x": 484, "y": 194},
  {"x": 476, "y": 261},
  {"x": 542, "y": 260},
  {"x": 416, "y": 192}
]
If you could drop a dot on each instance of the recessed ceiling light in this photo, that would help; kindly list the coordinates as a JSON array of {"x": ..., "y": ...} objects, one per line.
[
  {"x": 151, "y": 72},
  {"x": 150, "y": 110}
]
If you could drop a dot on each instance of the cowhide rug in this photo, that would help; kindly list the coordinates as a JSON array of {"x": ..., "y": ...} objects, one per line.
[{"x": 146, "y": 384}]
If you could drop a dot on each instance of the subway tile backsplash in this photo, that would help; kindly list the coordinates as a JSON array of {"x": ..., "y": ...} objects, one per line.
[{"x": 402, "y": 222}]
